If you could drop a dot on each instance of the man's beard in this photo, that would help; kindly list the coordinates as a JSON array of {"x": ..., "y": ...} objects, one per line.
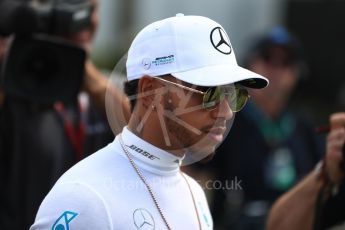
[
  {"x": 194, "y": 143},
  {"x": 181, "y": 136},
  {"x": 197, "y": 146}
]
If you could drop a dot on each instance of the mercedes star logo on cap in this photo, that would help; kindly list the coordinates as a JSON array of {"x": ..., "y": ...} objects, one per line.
[{"x": 220, "y": 40}]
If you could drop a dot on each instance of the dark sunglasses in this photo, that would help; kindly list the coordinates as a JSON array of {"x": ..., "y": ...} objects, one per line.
[{"x": 236, "y": 96}]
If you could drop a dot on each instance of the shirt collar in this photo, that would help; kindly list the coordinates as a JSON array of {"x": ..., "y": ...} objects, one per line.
[{"x": 148, "y": 156}]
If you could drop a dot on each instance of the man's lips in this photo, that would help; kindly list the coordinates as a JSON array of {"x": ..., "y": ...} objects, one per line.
[
  {"x": 217, "y": 130},
  {"x": 216, "y": 133}
]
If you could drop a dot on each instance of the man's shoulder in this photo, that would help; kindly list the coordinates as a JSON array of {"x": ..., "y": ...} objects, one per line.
[
  {"x": 84, "y": 191},
  {"x": 73, "y": 201},
  {"x": 101, "y": 164}
]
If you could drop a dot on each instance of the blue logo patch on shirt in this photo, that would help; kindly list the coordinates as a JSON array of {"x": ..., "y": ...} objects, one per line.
[{"x": 62, "y": 223}]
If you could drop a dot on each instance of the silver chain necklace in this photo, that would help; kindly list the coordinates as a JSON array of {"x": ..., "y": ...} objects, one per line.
[{"x": 149, "y": 189}]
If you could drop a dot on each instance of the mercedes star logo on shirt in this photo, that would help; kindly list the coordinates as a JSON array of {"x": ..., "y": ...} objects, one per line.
[
  {"x": 143, "y": 220},
  {"x": 220, "y": 40}
]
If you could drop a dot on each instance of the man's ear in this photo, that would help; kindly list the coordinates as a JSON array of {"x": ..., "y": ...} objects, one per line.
[{"x": 146, "y": 90}]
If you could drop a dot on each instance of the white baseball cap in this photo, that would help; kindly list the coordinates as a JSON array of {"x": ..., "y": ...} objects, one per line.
[{"x": 194, "y": 49}]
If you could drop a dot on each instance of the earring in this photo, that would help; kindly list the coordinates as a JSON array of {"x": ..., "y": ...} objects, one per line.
[
  {"x": 169, "y": 101},
  {"x": 153, "y": 107}
]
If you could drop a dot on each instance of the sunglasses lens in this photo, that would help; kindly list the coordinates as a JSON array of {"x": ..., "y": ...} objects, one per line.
[
  {"x": 237, "y": 98},
  {"x": 212, "y": 98}
]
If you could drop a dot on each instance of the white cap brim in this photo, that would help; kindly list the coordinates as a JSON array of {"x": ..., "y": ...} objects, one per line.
[{"x": 222, "y": 75}]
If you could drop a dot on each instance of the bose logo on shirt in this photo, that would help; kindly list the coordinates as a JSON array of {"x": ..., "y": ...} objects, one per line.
[{"x": 142, "y": 152}]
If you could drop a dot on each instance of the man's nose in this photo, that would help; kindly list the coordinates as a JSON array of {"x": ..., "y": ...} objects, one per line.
[{"x": 223, "y": 110}]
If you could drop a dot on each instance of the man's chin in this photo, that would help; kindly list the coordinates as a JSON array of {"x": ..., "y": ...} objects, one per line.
[{"x": 208, "y": 158}]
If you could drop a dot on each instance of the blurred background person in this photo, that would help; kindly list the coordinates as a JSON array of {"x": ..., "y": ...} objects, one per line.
[
  {"x": 318, "y": 201},
  {"x": 269, "y": 147},
  {"x": 43, "y": 131}
]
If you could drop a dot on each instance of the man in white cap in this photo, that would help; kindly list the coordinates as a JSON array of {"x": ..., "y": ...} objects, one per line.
[{"x": 184, "y": 85}]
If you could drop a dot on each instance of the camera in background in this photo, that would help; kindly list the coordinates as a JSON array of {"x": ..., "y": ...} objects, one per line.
[
  {"x": 41, "y": 65},
  {"x": 56, "y": 17}
]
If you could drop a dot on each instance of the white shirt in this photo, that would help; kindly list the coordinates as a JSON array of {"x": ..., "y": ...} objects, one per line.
[{"x": 103, "y": 191}]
